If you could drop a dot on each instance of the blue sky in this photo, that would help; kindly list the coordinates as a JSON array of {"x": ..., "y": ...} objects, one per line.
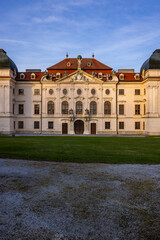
[{"x": 38, "y": 33}]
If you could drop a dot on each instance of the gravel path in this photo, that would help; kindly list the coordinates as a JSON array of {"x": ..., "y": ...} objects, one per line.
[{"x": 44, "y": 200}]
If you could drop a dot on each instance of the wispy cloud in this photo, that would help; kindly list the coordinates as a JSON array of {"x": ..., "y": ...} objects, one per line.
[{"x": 14, "y": 41}]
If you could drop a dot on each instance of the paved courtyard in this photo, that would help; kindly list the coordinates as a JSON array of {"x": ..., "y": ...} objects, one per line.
[{"x": 46, "y": 200}]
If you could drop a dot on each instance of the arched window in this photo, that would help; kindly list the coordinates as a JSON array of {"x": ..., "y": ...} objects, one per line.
[
  {"x": 64, "y": 107},
  {"x": 93, "y": 107},
  {"x": 79, "y": 107},
  {"x": 50, "y": 107},
  {"x": 107, "y": 108}
]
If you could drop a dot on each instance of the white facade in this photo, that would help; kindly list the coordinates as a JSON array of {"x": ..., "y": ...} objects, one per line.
[{"x": 139, "y": 112}]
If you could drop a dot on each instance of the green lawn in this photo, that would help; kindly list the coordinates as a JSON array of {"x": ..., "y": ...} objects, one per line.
[{"x": 82, "y": 149}]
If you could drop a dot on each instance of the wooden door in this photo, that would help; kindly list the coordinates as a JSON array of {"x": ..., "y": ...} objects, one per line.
[
  {"x": 64, "y": 128},
  {"x": 79, "y": 127},
  {"x": 93, "y": 128}
]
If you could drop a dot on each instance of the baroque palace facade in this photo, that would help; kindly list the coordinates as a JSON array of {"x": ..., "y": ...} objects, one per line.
[{"x": 80, "y": 96}]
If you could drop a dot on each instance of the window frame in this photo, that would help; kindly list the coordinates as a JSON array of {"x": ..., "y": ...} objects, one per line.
[
  {"x": 50, "y": 108},
  {"x": 64, "y": 107},
  {"x": 20, "y": 108},
  {"x": 21, "y": 91},
  {"x": 137, "y": 109},
  {"x": 137, "y": 125},
  {"x": 107, "y": 125},
  {"x": 36, "y": 125},
  {"x": 20, "y": 124},
  {"x": 107, "y": 108},
  {"x": 137, "y": 92},
  {"x": 121, "y": 109},
  {"x": 121, "y": 125},
  {"x": 50, "y": 123},
  {"x": 121, "y": 91},
  {"x": 93, "y": 108},
  {"x": 79, "y": 107},
  {"x": 36, "y": 109}
]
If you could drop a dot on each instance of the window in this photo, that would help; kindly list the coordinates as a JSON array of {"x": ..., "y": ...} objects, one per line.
[
  {"x": 144, "y": 91},
  {"x": 14, "y": 124},
  {"x": 107, "y": 125},
  {"x": 144, "y": 109},
  {"x": 107, "y": 108},
  {"x": 13, "y": 91},
  {"x": 121, "y": 91},
  {"x": 20, "y": 108},
  {"x": 50, "y": 107},
  {"x": 50, "y": 91},
  {"x": 50, "y": 125},
  {"x": 36, "y": 109},
  {"x": 107, "y": 92},
  {"x": 20, "y": 124},
  {"x": 68, "y": 64},
  {"x": 79, "y": 91},
  {"x": 64, "y": 91},
  {"x": 137, "y": 125},
  {"x": 58, "y": 75},
  {"x": 100, "y": 75},
  {"x": 121, "y": 109},
  {"x": 89, "y": 64},
  {"x": 137, "y": 109},
  {"x": 21, "y": 91},
  {"x": 36, "y": 91},
  {"x": 79, "y": 107},
  {"x": 143, "y": 125},
  {"x": 13, "y": 108},
  {"x": 93, "y": 107},
  {"x": 64, "y": 107},
  {"x": 121, "y": 125},
  {"x": 33, "y": 76},
  {"x": 36, "y": 125},
  {"x": 22, "y": 76},
  {"x": 121, "y": 76},
  {"x": 137, "y": 91},
  {"x": 93, "y": 91}
]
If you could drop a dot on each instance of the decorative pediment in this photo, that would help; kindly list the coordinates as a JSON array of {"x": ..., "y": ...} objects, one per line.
[
  {"x": 79, "y": 98},
  {"x": 93, "y": 98},
  {"x": 79, "y": 77},
  {"x": 65, "y": 98}
]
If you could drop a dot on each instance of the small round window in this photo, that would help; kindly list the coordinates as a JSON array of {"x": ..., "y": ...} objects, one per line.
[
  {"x": 65, "y": 91},
  {"x": 79, "y": 91},
  {"x": 93, "y": 91},
  {"x": 107, "y": 91},
  {"x": 50, "y": 91}
]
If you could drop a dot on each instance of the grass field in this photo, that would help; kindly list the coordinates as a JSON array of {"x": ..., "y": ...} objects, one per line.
[{"x": 82, "y": 149}]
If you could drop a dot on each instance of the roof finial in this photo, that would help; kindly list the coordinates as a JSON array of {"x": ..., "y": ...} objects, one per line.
[
  {"x": 92, "y": 55},
  {"x": 66, "y": 55}
]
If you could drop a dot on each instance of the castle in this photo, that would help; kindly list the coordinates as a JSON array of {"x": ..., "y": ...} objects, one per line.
[{"x": 80, "y": 96}]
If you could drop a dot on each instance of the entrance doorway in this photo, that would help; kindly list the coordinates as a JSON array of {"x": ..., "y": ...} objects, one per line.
[
  {"x": 64, "y": 128},
  {"x": 93, "y": 128},
  {"x": 79, "y": 127}
]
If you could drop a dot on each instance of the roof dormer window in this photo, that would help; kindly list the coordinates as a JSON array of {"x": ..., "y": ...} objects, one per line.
[
  {"x": 121, "y": 76},
  {"x": 22, "y": 76},
  {"x": 100, "y": 75},
  {"x": 136, "y": 76},
  {"x": 89, "y": 64},
  {"x": 58, "y": 75},
  {"x": 33, "y": 76},
  {"x": 68, "y": 64}
]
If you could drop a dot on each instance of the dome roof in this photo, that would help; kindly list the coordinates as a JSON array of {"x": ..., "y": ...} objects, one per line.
[
  {"x": 153, "y": 62},
  {"x": 6, "y": 62}
]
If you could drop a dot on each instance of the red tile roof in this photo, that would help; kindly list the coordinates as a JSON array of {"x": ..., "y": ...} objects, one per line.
[
  {"x": 128, "y": 77},
  {"x": 28, "y": 76},
  {"x": 95, "y": 64}
]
